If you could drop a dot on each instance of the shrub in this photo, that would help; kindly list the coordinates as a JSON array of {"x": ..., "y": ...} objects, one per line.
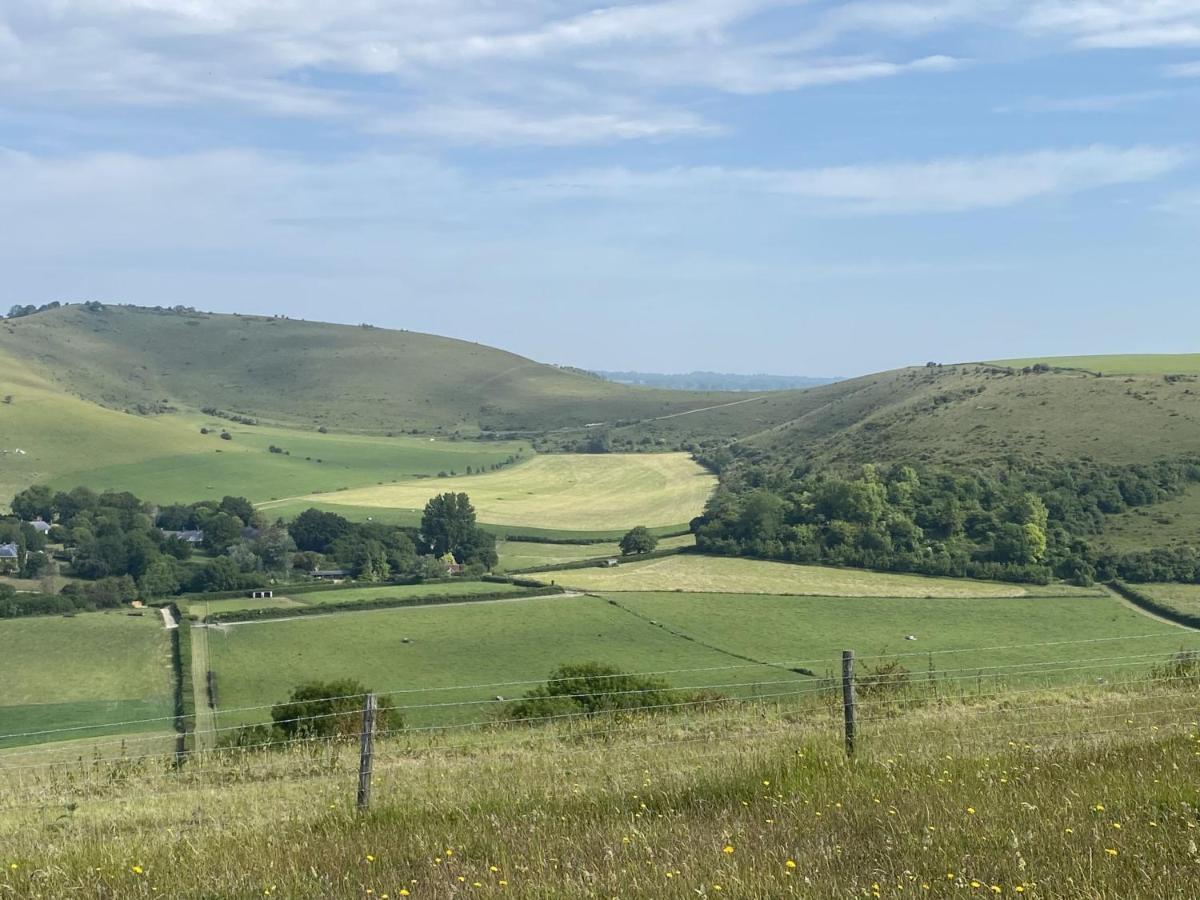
[{"x": 588, "y": 689}]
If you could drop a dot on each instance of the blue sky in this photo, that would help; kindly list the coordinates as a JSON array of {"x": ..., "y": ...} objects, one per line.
[{"x": 740, "y": 185}]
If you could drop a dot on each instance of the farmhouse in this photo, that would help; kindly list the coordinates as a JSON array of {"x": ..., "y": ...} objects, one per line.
[
  {"x": 10, "y": 557},
  {"x": 38, "y": 525},
  {"x": 331, "y": 573},
  {"x": 188, "y": 537}
]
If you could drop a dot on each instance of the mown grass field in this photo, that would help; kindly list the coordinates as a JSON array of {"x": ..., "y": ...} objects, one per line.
[
  {"x": 89, "y": 669},
  {"x": 594, "y": 492},
  {"x": 1090, "y": 795},
  {"x": 528, "y": 554},
  {"x": 714, "y": 574},
  {"x": 420, "y": 654}
]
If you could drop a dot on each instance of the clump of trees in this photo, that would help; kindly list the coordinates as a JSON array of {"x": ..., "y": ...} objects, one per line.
[
  {"x": 374, "y": 551},
  {"x": 1019, "y": 525},
  {"x": 318, "y": 710},
  {"x": 586, "y": 689},
  {"x": 638, "y": 540}
]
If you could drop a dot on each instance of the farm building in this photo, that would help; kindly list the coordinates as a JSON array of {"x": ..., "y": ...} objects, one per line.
[
  {"x": 261, "y": 595},
  {"x": 331, "y": 573},
  {"x": 188, "y": 537},
  {"x": 40, "y": 526},
  {"x": 10, "y": 557}
]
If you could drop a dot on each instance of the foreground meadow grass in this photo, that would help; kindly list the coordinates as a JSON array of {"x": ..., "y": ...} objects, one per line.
[
  {"x": 1064, "y": 795},
  {"x": 590, "y": 492}
]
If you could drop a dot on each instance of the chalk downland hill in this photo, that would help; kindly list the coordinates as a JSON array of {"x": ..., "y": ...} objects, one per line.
[
  {"x": 982, "y": 414},
  {"x": 312, "y": 374}
]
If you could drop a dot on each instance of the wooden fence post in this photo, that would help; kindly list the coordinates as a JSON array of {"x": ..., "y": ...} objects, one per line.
[
  {"x": 366, "y": 752},
  {"x": 848, "y": 699}
]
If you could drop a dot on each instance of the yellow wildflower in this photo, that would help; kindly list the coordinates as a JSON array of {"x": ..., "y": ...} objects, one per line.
[{"x": 728, "y": 848}]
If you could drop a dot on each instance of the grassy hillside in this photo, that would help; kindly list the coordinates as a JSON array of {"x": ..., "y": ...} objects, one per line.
[
  {"x": 967, "y": 414},
  {"x": 1118, "y": 364},
  {"x": 310, "y": 374}
]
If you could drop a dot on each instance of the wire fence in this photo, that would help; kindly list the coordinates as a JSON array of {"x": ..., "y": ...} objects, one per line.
[{"x": 1023, "y": 703}]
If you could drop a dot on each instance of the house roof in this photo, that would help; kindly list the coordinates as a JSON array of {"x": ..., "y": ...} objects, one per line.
[
  {"x": 9, "y": 551},
  {"x": 40, "y": 525},
  {"x": 190, "y": 537},
  {"x": 330, "y": 573}
]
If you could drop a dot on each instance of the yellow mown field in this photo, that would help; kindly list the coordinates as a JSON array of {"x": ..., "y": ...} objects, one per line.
[
  {"x": 578, "y": 492},
  {"x": 715, "y": 574}
]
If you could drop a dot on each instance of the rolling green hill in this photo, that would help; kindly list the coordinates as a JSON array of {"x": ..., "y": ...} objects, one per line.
[{"x": 308, "y": 374}]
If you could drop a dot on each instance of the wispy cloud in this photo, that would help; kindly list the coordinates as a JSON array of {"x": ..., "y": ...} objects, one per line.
[
  {"x": 938, "y": 186},
  {"x": 1118, "y": 24},
  {"x": 1183, "y": 70},
  {"x": 1085, "y": 103}
]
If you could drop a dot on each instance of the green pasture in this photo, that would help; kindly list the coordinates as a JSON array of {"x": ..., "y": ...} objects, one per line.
[
  {"x": 201, "y": 607},
  {"x": 528, "y": 554},
  {"x": 420, "y": 654},
  {"x": 717, "y": 574},
  {"x": 245, "y": 466},
  {"x": 1183, "y": 598},
  {"x": 88, "y": 669},
  {"x": 950, "y": 633}
]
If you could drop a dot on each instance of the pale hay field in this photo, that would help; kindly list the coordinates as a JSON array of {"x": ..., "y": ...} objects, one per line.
[
  {"x": 716, "y": 574},
  {"x": 577, "y": 492}
]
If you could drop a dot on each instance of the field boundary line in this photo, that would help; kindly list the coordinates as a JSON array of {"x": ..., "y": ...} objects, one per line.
[
  {"x": 221, "y": 626},
  {"x": 205, "y": 724}
]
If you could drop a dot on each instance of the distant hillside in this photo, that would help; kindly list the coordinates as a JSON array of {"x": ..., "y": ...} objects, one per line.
[
  {"x": 311, "y": 374},
  {"x": 715, "y": 381},
  {"x": 984, "y": 413}
]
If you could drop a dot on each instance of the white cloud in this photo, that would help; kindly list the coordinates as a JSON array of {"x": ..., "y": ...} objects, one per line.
[
  {"x": 401, "y": 66},
  {"x": 492, "y": 125},
  {"x": 1118, "y": 24},
  {"x": 940, "y": 186},
  {"x": 1183, "y": 70}
]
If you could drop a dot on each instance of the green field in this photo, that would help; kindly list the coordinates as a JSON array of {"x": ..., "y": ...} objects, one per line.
[
  {"x": 1119, "y": 364},
  {"x": 719, "y": 574},
  {"x": 420, "y": 653},
  {"x": 88, "y": 669},
  {"x": 529, "y": 555},
  {"x": 1184, "y": 598},
  {"x": 201, "y": 607},
  {"x": 245, "y": 467},
  {"x": 591, "y": 492}
]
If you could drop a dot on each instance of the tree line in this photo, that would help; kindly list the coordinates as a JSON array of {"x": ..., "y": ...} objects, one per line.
[{"x": 1014, "y": 524}]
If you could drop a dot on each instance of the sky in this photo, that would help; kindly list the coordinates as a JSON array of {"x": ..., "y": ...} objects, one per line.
[{"x": 781, "y": 186}]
